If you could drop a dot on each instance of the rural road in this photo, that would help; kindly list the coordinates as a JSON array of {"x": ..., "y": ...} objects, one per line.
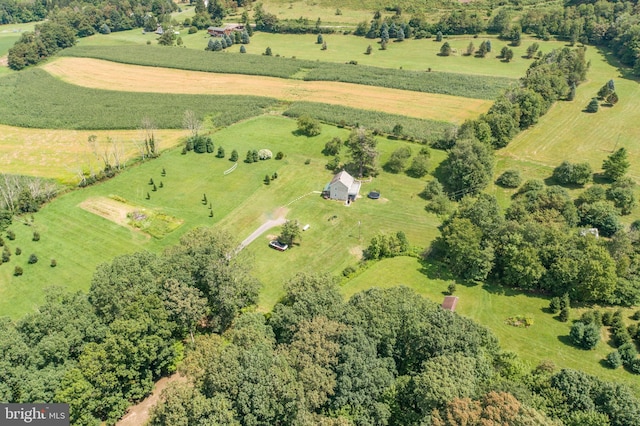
[
  {"x": 261, "y": 230},
  {"x": 139, "y": 414}
]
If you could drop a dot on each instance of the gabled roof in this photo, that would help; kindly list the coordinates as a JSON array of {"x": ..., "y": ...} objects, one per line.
[
  {"x": 450, "y": 303},
  {"x": 344, "y": 178}
]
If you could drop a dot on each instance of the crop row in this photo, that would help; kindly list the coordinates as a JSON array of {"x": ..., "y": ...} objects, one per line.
[
  {"x": 419, "y": 129},
  {"x": 33, "y": 98},
  {"x": 465, "y": 85}
]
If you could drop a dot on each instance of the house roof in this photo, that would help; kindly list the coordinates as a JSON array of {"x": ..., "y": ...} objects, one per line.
[
  {"x": 344, "y": 178},
  {"x": 450, "y": 303}
]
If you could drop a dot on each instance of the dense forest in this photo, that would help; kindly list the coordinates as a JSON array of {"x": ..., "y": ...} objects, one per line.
[{"x": 384, "y": 357}]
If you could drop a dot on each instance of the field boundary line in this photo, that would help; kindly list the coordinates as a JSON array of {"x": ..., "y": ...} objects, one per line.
[{"x": 226, "y": 172}]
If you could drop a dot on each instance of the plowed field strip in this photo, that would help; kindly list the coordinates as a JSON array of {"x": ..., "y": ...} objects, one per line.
[{"x": 100, "y": 74}]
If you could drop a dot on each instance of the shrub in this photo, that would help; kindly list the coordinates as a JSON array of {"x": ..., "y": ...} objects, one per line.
[
  {"x": 33, "y": 259},
  {"x": 243, "y": 49},
  {"x": 628, "y": 353},
  {"x": 333, "y": 147},
  {"x": 220, "y": 153},
  {"x": 554, "y": 305},
  {"x": 308, "y": 126},
  {"x": 451, "y": 288},
  {"x": 636, "y": 315},
  {"x": 307, "y": 161},
  {"x": 17, "y": 271},
  {"x": 193, "y": 30},
  {"x": 11, "y": 235},
  {"x": 593, "y": 105},
  {"x": 348, "y": 271},
  {"x": 614, "y": 360},
  {"x": 510, "y": 179},
  {"x": 18, "y": 251},
  {"x": 584, "y": 335},
  {"x": 6, "y": 254},
  {"x": 54, "y": 263},
  {"x": 234, "y": 156},
  {"x": 564, "y": 314},
  {"x": 268, "y": 52},
  {"x": 265, "y": 154},
  {"x": 279, "y": 155}
]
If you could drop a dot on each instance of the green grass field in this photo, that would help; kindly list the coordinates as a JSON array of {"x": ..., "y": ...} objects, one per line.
[
  {"x": 240, "y": 201},
  {"x": 491, "y": 306}
]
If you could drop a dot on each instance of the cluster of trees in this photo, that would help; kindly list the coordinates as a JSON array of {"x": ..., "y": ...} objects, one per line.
[
  {"x": 102, "y": 351},
  {"x": 199, "y": 144},
  {"x": 537, "y": 245},
  {"x": 469, "y": 167},
  {"x": 363, "y": 154},
  {"x": 382, "y": 246},
  {"x": 399, "y": 162},
  {"x": 33, "y": 47},
  {"x": 383, "y": 357}
]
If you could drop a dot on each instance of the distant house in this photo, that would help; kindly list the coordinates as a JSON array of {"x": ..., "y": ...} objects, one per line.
[
  {"x": 343, "y": 187},
  {"x": 450, "y": 303},
  {"x": 226, "y": 30}
]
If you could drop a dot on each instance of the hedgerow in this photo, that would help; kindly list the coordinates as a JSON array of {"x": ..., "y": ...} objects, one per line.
[
  {"x": 380, "y": 122},
  {"x": 33, "y": 98}
]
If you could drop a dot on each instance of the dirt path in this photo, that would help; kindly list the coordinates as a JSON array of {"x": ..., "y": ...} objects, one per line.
[
  {"x": 138, "y": 415},
  {"x": 100, "y": 74}
]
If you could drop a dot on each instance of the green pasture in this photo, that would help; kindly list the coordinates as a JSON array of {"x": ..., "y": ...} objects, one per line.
[
  {"x": 547, "y": 339},
  {"x": 566, "y": 132},
  {"x": 411, "y": 54},
  {"x": 80, "y": 240},
  {"x": 349, "y": 17}
]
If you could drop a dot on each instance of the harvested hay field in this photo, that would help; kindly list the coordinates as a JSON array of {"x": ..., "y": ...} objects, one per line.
[
  {"x": 61, "y": 154},
  {"x": 100, "y": 74}
]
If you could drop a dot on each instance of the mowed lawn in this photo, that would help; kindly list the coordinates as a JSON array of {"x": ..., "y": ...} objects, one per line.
[
  {"x": 410, "y": 54},
  {"x": 80, "y": 240},
  {"x": 546, "y": 339},
  {"x": 566, "y": 132}
]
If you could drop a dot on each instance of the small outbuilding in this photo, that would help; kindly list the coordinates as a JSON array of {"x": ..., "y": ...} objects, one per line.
[
  {"x": 343, "y": 187},
  {"x": 450, "y": 303}
]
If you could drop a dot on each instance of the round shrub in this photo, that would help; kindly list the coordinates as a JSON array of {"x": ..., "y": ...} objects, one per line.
[
  {"x": 17, "y": 271},
  {"x": 36, "y": 236},
  {"x": 614, "y": 360},
  {"x": 193, "y": 30},
  {"x": 11, "y": 235},
  {"x": 18, "y": 251},
  {"x": 451, "y": 288},
  {"x": 636, "y": 315},
  {"x": 33, "y": 259},
  {"x": 348, "y": 271},
  {"x": 279, "y": 155},
  {"x": 265, "y": 154},
  {"x": 510, "y": 179}
]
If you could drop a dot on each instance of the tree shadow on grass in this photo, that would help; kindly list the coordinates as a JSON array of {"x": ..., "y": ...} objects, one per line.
[
  {"x": 566, "y": 339},
  {"x": 623, "y": 71}
]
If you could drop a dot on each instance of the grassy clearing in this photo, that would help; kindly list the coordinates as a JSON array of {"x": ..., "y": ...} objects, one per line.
[
  {"x": 491, "y": 306},
  {"x": 100, "y": 74},
  {"x": 566, "y": 132},
  {"x": 66, "y": 106},
  {"x": 79, "y": 239},
  {"x": 59, "y": 154},
  {"x": 449, "y": 83}
]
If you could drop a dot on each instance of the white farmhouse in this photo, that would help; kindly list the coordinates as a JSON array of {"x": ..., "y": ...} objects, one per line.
[{"x": 343, "y": 187}]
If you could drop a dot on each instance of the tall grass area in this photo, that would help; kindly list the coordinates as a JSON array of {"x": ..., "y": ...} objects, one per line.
[
  {"x": 33, "y": 98},
  {"x": 546, "y": 339},
  {"x": 80, "y": 240},
  {"x": 425, "y": 130},
  {"x": 464, "y": 85}
]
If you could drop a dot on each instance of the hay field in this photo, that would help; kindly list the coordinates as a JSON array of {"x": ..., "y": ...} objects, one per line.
[
  {"x": 59, "y": 154},
  {"x": 100, "y": 74}
]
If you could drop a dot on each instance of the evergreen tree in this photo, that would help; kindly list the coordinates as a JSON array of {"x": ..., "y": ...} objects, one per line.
[
  {"x": 593, "y": 105},
  {"x": 616, "y": 165}
]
